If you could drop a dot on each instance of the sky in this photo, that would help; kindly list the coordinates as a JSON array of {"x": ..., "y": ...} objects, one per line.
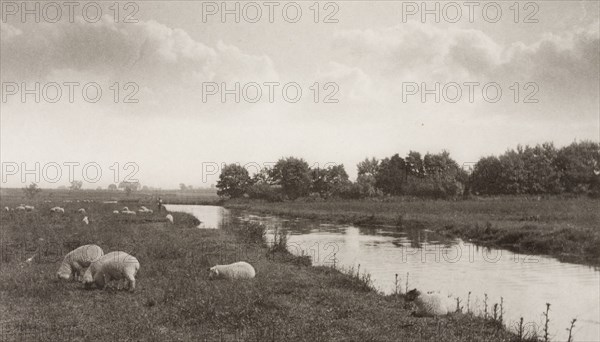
[{"x": 359, "y": 77}]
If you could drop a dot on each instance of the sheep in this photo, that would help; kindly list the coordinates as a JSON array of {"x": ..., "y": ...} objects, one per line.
[
  {"x": 116, "y": 212},
  {"x": 114, "y": 265},
  {"x": 128, "y": 212},
  {"x": 169, "y": 218},
  {"x": 81, "y": 211},
  {"x": 77, "y": 260},
  {"x": 144, "y": 210},
  {"x": 430, "y": 304},
  {"x": 125, "y": 209},
  {"x": 57, "y": 210},
  {"x": 20, "y": 208},
  {"x": 29, "y": 208},
  {"x": 6, "y": 209},
  {"x": 237, "y": 270},
  {"x": 86, "y": 220}
]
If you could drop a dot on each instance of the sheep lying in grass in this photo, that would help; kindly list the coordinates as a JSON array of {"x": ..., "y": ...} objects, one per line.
[
  {"x": 76, "y": 261},
  {"x": 6, "y": 209},
  {"x": 115, "y": 212},
  {"x": 114, "y": 265},
  {"x": 81, "y": 211},
  {"x": 57, "y": 210},
  {"x": 169, "y": 218},
  {"x": 430, "y": 304},
  {"x": 86, "y": 220},
  {"x": 20, "y": 208},
  {"x": 144, "y": 210},
  {"x": 29, "y": 208},
  {"x": 237, "y": 270}
]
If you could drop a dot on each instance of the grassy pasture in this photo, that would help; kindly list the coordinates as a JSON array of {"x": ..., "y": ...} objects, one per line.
[{"x": 175, "y": 301}]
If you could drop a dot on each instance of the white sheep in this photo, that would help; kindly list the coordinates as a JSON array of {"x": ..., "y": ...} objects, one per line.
[
  {"x": 81, "y": 211},
  {"x": 57, "y": 210},
  {"x": 6, "y": 209},
  {"x": 86, "y": 220},
  {"x": 430, "y": 304},
  {"x": 128, "y": 212},
  {"x": 144, "y": 210},
  {"x": 29, "y": 208},
  {"x": 125, "y": 209},
  {"x": 115, "y": 212},
  {"x": 20, "y": 208},
  {"x": 114, "y": 265},
  {"x": 169, "y": 218},
  {"x": 76, "y": 261},
  {"x": 237, "y": 270}
]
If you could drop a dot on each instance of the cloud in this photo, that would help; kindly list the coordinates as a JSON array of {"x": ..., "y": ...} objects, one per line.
[
  {"x": 8, "y": 31},
  {"x": 422, "y": 53},
  {"x": 149, "y": 51}
]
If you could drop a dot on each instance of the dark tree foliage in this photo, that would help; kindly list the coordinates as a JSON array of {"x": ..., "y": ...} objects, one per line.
[{"x": 234, "y": 181}]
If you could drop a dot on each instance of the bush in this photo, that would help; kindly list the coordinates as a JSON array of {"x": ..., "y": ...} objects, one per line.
[{"x": 270, "y": 193}]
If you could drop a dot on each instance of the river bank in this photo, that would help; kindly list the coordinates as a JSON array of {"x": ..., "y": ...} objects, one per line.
[{"x": 174, "y": 299}]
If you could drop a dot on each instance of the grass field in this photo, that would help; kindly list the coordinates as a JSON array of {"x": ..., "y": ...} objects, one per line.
[
  {"x": 175, "y": 301},
  {"x": 566, "y": 228}
]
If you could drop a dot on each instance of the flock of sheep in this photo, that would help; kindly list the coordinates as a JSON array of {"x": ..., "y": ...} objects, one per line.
[{"x": 89, "y": 265}]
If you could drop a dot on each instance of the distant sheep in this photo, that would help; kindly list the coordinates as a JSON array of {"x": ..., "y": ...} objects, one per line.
[
  {"x": 76, "y": 261},
  {"x": 144, "y": 210},
  {"x": 81, "y": 211},
  {"x": 57, "y": 210},
  {"x": 20, "y": 208},
  {"x": 86, "y": 220},
  {"x": 237, "y": 270},
  {"x": 114, "y": 265},
  {"x": 169, "y": 218},
  {"x": 430, "y": 304},
  {"x": 128, "y": 212},
  {"x": 115, "y": 212},
  {"x": 125, "y": 209},
  {"x": 6, "y": 209},
  {"x": 29, "y": 208}
]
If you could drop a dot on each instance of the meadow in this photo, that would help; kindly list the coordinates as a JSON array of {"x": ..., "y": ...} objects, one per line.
[{"x": 175, "y": 301}]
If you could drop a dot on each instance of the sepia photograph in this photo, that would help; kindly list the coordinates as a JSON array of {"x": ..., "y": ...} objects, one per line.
[{"x": 306, "y": 170}]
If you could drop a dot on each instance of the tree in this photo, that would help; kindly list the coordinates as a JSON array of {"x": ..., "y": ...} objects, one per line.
[
  {"x": 485, "y": 178},
  {"x": 293, "y": 176},
  {"x": 578, "y": 165},
  {"x": 367, "y": 171},
  {"x": 414, "y": 164},
  {"x": 330, "y": 181},
  {"x": 234, "y": 181},
  {"x": 31, "y": 191},
  {"x": 182, "y": 187},
  {"x": 130, "y": 186},
  {"x": 112, "y": 187},
  {"x": 76, "y": 185},
  {"x": 391, "y": 175}
]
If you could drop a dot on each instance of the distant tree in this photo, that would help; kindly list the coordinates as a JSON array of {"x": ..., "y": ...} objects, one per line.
[
  {"x": 132, "y": 186},
  {"x": 76, "y": 185},
  {"x": 414, "y": 164},
  {"x": 485, "y": 178},
  {"x": 31, "y": 191},
  {"x": 578, "y": 165},
  {"x": 234, "y": 181},
  {"x": 112, "y": 187},
  {"x": 330, "y": 181},
  {"x": 391, "y": 175},
  {"x": 182, "y": 187},
  {"x": 293, "y": 175},
  {"x": 366, "y": 180}
]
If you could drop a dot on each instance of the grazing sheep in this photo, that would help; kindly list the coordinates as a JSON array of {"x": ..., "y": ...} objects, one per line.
[
  {"x": 430, "y": 304},
  {"x": 115, "y": 212},
  {"x": 6, "y": 209},
  {"x": 57, "y": 210},
  {"x": 125, "y": 209},
  {"x": 114, "y": 265},
  {"x": 29, "y": 208},
  {"x": 144, "y": 210},
  {"x": 81, "y": 211},
  {"x": 128, "y": 212},
  {"x": 237, "y": 270},
  {"x": 169, "y": 218},
  {"x": 20, "y": 208},
  {"x": 76, "y": 261},
  {"x": 86, "y": 220}
]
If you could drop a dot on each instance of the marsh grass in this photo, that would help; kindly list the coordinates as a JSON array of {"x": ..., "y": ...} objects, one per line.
[{"x": 174, "y": 299}]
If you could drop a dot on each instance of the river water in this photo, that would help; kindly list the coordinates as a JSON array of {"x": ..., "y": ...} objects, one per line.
[{"x": 431, "y": 262}]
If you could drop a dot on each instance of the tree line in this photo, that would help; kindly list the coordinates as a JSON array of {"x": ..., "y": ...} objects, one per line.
[{"x": 542, "y": 169}]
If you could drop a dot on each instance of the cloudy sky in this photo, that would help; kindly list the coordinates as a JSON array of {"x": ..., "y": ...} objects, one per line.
[{"x": 370, "y": 68}]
